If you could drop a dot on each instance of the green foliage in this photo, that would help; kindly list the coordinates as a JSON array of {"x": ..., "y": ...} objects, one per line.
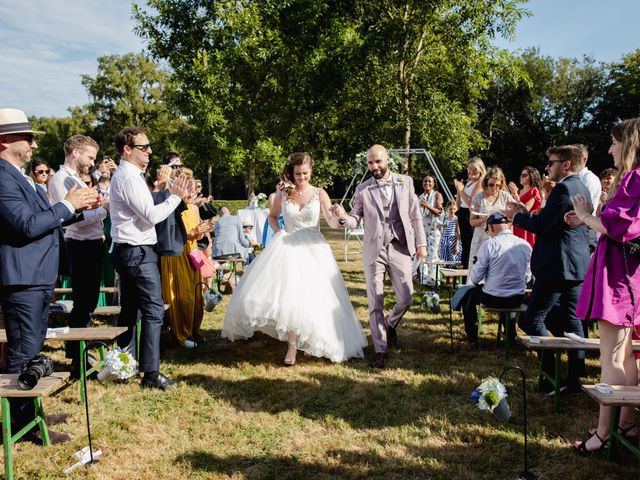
[{"x": 491, "y": 398}]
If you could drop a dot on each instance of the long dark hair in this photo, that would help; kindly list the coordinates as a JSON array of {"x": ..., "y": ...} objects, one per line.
[
  {"x": 534, "y": 177},
  {"x": 35, "y": 163},
  {"x": 296, "y": 158}
]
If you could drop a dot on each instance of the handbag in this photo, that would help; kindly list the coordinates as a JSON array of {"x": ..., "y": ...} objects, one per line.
[
  {"x": 632, "y": 247},
  {"x": 196, "y": 258}
]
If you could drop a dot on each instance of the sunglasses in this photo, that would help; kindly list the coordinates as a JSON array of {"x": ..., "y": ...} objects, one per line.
[
  {"x": 142, "y": 148},
  {"x": 524, "y": 175},
  {"x": 175, "y": 167},
  {"x": 551, "y": 162},
  {"x": 40, "y": 172},
  {"x": 27, "y": 137},
  {"x": 493, "y": 184}
]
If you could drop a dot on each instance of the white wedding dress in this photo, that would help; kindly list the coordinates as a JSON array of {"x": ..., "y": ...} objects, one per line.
[{"x": 295, "y": 285}]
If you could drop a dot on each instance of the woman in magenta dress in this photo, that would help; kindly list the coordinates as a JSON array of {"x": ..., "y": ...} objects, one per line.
[
  {"x": 530, "y": 195},
  {"x": 611, "y": 289}
]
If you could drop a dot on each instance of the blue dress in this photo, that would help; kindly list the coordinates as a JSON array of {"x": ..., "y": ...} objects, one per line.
[
  {"x": 448, "y": 242},
  {"x": 267, "y": 231}
]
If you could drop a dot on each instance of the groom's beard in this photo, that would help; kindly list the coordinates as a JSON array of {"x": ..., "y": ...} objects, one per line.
[{"x": 378, "y": 174}]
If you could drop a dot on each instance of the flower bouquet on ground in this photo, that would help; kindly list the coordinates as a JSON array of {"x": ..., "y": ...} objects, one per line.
[
  {"x": 431, "y": 301},
  {"x": 118, "y": 365},
  {"x": 262, "y": 200},
  {"x": 491, "y": 395}
]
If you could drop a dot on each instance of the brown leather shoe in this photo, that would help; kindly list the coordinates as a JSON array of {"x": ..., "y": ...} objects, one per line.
[
  {"x": 378, "y": 360},
  {"x": 56, "y": 419}
]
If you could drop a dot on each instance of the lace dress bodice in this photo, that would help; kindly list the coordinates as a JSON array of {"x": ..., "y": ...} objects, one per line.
[{"x": 296, "y": 218}]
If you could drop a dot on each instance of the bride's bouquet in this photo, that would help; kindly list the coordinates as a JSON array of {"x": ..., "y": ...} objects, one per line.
[{"x": 118, "y": 365}]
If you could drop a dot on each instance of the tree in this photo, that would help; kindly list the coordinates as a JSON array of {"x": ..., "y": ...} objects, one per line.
[
  {"x": 128, "y": 90},
  {"x": 327, "y": 77}
]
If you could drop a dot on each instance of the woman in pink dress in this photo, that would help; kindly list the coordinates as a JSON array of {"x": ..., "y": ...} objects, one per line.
[
  {"x": 610, "y": 292},
  {"x": 530, "y": 195}
]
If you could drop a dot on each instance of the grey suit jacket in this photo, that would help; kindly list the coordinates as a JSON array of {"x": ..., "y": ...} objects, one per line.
[
  {"x": 368, "y": 207},
  {"x": 229, "y": 237}
]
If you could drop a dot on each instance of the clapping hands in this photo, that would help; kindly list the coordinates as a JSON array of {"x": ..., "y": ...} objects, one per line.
[{"x": 83, "y": 198}]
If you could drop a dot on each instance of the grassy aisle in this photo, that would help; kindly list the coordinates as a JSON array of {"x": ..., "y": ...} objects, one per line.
[{"x": 237, "y": 414}]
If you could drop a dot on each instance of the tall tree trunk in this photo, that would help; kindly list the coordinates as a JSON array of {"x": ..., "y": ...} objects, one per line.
[
  {"x": 210, "y": 179},
  {"x": 406, "y": 107},
  {"x": 251, "y": 177}
]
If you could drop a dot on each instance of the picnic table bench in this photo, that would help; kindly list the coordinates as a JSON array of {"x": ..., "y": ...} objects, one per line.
[
  {"x": 9, "y": 388},
  {"x": 66, "y": 290},
  {"x": 622, "y": 396},
  {"x": 555, "y": 346},
  {"x": 82, "y": 335}
]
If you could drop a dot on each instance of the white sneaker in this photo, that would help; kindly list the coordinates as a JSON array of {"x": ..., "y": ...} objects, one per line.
[{"x": 189, "y": 344}]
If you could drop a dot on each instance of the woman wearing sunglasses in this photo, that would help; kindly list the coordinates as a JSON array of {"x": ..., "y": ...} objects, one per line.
[{"x": 39, "y": 170}]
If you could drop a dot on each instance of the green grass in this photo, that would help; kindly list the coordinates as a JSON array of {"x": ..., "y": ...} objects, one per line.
[{"x": 237, "y": 414}]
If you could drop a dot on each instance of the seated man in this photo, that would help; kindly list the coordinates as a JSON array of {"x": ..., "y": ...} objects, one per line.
[
  {"x": 503, "y": 263},
  {"x": 247, "y": 230},
  {"x": 229, "y": 238}
]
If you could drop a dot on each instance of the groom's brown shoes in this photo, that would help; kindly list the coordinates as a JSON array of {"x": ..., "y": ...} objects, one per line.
[{"x": 378, "y": 360}]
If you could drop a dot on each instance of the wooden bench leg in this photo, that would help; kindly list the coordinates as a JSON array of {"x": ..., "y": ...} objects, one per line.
[
  {"x": 44, "y": 431},
  {"x": 450, "y": 320},
  {"x": 553, "y": 379},
  {"x": 6, "y": 439}
]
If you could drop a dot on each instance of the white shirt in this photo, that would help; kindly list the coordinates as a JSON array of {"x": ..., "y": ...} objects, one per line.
[
  {"x": 504, "y": 264},
  {"x": 592, "y": 182},
  {"x": 133, "y": 214},
  {"x": 91, "y": 227}
]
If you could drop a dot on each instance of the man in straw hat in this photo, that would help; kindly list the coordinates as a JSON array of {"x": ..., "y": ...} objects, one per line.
[{"x": 29, "y": 251}]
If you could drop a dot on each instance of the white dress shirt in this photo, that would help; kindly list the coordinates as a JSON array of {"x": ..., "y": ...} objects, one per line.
[
  {"x": 504, "y": 264},
  {"x": 91, "y": 227},
  {"x": 133, "y": 214},
  {"x": 592, "y": 182}
]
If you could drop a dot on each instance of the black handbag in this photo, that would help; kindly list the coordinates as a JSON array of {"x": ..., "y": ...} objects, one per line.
[{"x": 632, "y": 247}]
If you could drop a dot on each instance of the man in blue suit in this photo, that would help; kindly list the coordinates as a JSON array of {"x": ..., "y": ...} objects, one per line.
[
  {"x": 29, "y": 250},
  {"x": 559, "y": 260}
]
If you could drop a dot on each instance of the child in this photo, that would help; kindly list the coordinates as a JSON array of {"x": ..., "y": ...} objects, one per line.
[{"x": 450, "y": 242}]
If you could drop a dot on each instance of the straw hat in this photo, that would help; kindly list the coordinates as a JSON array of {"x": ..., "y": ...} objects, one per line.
[{"x": 13, "y": 120}]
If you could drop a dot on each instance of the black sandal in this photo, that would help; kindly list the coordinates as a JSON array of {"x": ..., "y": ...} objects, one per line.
[{"x": 581, "y": 448}]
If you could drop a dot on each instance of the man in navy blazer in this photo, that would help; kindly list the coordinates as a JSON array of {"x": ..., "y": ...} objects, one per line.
[
  {"x": 559, "y": 260},
  {"x": 29, "y": 249}
]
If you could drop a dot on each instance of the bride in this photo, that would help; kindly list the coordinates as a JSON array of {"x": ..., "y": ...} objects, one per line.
[{"x": 293, "y": 290}]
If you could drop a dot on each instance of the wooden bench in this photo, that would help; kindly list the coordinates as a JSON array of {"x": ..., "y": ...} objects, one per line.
[
  {"x": 232, "y": 263},
  {"x": 9, "y": 388},
  {"x": 66, "y": 290},
  {"x": 82, "y": 335},
  {"x": 504, "y": 323},
  {"x": 622, "y": 396},
  {"x": 555, "y": 346}
]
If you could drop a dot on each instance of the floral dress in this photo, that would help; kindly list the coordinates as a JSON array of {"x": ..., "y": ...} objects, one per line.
[
  {"x": 432, "y": 225},
  {"x": 481, "y": 205}
]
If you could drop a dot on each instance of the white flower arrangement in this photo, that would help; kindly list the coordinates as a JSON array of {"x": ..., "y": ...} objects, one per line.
[
  {"x": 431, "y": 301},
  {"x": 489, "y": 394},
  {"x": 262, "y": 200},
  {"x": 118, "y": 365}
]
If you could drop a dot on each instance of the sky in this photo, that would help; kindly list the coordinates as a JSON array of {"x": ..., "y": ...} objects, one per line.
[{"x": 49, "y": 44}]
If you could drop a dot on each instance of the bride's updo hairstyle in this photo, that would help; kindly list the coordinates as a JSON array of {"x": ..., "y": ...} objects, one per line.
[{"x": 294, "y": 159}]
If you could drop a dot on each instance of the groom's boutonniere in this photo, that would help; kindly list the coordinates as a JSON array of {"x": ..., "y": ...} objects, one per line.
[{"x": 399, "y": 180}]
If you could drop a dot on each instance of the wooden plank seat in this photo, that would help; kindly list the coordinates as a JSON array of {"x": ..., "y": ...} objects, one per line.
[
  {"x": 66, "y": 290},
  {"x": 82, "y": 335},
  {"x": 227, "y": 263},
  {"x": 505, "y": 325},
  {"x": 555, "y": 346},
  {"x": 9, "y": 388},
  {"x": 622, "y": 396}
]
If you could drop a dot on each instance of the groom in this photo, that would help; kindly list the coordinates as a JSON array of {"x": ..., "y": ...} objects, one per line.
[{"x": 388, "y": 206}]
